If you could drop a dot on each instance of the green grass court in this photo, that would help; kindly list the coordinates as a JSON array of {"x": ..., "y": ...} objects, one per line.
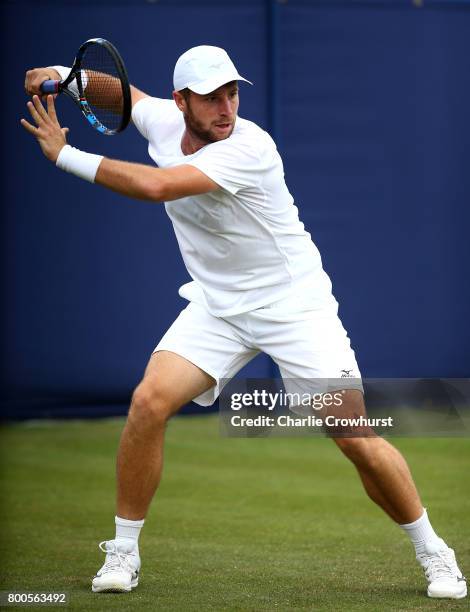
[{"x": 238, "y": 524}]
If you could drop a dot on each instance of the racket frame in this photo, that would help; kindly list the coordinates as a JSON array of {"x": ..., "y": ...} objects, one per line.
[{"x": 58, "y": 87}]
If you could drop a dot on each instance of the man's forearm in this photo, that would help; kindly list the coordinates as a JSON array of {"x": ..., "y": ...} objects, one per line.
[
  {"x": 109, "y": 97},
  {"x": 133, "y": 180},
  {"x": 104, "y": 91},
  {"x": 101, "y": 90},
  {"x": 136, "y": 181},
  {"x": 153, "y": 184}
]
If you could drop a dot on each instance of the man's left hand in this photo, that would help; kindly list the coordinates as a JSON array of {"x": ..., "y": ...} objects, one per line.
[{"x": 50, "y": 136}]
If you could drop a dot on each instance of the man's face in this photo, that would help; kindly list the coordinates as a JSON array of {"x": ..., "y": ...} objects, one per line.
[{"x": 211, "y": 117}]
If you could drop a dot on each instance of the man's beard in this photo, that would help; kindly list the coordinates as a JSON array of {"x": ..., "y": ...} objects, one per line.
[{"x": 194, "y": 126}]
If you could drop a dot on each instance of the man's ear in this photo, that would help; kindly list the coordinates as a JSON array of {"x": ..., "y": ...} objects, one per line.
[{"x": 180, "y": 101}]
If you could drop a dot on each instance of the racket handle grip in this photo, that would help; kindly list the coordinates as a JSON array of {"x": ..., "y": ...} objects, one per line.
[{"x": 50, "y": 87}]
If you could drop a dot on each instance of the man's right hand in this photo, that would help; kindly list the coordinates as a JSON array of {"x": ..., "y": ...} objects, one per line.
[{"x": 35, "y": 77}]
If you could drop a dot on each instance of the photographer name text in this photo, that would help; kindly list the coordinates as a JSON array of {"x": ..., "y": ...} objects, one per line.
[{"x": 309, "y": 421}]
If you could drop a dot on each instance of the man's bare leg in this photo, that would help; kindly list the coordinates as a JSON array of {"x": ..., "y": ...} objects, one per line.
[
  {"x": 381, "y": 467},
  {"x": 170, "y": 382},
  {"x": 388, "y": 482}
]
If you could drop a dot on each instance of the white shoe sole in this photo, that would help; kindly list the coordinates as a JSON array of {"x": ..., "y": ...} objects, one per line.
[
  {"x": 458, "y": 595},
  {"x": 116, "y": 587}
]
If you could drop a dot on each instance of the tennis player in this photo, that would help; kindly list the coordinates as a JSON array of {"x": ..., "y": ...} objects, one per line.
[{"x": 258, "y": 285}]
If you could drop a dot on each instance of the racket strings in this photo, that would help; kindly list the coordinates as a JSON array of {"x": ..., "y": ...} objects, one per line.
[{"x": 102, "y": 86}]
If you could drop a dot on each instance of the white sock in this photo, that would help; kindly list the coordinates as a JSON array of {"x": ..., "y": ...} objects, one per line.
[
  {"x": 128, "y": 531},
  {"x": 421, "y": 533}
]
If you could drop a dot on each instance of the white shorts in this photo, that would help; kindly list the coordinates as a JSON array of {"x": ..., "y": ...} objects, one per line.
[{"x": 306, "y": 343}]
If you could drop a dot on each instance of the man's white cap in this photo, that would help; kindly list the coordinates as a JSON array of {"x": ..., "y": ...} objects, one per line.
[{"x": 203, "y": 69}]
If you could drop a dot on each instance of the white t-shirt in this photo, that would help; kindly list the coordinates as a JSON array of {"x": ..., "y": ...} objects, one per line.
[{"x": 243, "y": 244}]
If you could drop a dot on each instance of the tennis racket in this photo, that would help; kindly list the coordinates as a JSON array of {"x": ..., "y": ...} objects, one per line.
[{"x": 99, "y": 85}]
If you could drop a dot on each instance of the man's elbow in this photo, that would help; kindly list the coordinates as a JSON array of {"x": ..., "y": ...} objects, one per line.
[
  {"x": 156, "y": 190},
  {"x": 164, "y": 189}
]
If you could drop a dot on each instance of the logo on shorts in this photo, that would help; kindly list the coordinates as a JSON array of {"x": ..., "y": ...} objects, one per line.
[{"x": 346, "y": 374}]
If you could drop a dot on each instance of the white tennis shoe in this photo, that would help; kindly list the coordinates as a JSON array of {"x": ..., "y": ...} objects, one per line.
[
  {"x": 445, "y": 580},
  {"x": 120, "y": 572}
]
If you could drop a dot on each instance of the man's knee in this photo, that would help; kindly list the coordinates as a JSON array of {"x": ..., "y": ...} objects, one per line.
[
  {"x": 151, "y": 404},
  {"x": 362, "y": 451}
]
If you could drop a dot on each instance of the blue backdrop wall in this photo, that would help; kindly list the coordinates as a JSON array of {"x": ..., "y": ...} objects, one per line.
[{"x": 368, "y": 102}]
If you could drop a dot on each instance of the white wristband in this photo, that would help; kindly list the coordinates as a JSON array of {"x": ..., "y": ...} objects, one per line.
[
  {"x": 64, "y": 72},
  {"x": 84, "y": 165}
]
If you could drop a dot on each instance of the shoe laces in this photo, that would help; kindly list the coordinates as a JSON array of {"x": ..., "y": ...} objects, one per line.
[
  {"x": 115, "y": 559},
  {"x": 440, "y": 564}
]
